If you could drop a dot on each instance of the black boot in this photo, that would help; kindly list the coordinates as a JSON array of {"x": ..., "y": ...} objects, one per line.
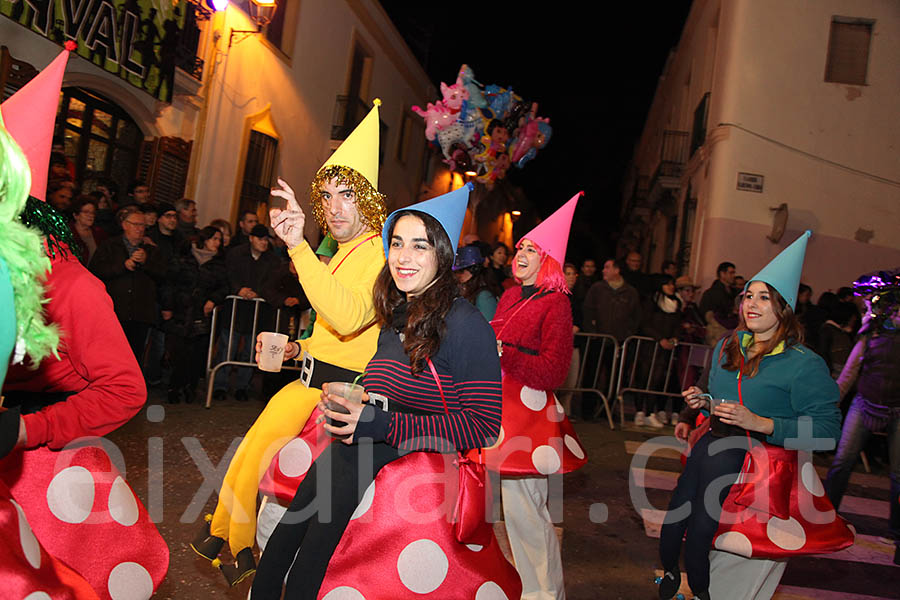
[
  {"x": 244, "y": 566},
  {"x": 189, "y": 392},
  {"x": 174, "y": 395},
  {"x": 207, "y": 545},
  {"x": 669, "y": 584}
]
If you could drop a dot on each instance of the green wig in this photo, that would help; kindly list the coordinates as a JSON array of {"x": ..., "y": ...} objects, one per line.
[{"x": 22, "y": 250}]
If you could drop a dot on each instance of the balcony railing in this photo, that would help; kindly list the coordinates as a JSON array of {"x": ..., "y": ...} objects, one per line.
[
  {"x": 673, "y": 154},
  {"x": 186, "y": 57},
  {"x": 348, "y": 113}
]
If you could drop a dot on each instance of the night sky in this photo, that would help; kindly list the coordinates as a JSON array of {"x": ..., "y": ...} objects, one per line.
[{"x": 591, "y": 66}]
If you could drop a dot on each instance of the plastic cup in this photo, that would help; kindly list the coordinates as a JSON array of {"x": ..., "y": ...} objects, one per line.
[
  {"x": 272, "y": 353},
  {"x": 716, "y": 425},
  {"x": 348, "y": 391}
]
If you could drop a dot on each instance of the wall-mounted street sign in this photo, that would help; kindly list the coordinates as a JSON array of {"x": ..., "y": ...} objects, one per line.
[
  {"x": 135, "y": 39},
  {"x": 750, "y": 182}
]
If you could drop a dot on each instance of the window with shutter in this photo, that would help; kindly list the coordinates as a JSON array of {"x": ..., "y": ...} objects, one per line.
[
  {"x": 259, "y": 173},
  {"x": 163, "y": 165},
  {"x": 848, "y": 50}
]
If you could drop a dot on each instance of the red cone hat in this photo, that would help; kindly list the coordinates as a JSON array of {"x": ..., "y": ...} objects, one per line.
[
  {"x": 553, "y": 234},
  {"x": 30, "y": 116}
]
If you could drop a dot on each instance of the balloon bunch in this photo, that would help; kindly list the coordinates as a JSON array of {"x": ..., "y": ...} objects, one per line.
[
  {"x": 881, "y": 290},
  {"x": 484, "y": 129}
]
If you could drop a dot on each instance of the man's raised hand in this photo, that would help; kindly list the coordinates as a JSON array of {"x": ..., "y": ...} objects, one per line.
[{"x": 288, "y": 224}]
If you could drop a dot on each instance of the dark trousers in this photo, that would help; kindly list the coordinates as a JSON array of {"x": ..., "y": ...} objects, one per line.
[
  {"x": 136, "y": 334},
  {"x": 316, "y": 520},
  {"x": 700, "y": 521},
  {"x": 188, "y": 356}
]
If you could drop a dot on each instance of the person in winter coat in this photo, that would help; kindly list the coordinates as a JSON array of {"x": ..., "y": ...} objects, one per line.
[
  {"x": 662, "y": 322},
  {"x": 199, "y": 282}
]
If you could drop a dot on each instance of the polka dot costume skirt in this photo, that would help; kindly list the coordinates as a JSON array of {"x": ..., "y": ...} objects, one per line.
[
  {"x": 83, "y": 513},
  {"x": 399, "y": 543},
  {"x": 536, "y": 437},
  {"x": 778, "y": 508}
]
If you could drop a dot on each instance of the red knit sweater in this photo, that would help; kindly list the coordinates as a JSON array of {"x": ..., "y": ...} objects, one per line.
[
  {"x": 537, "y": 337},
  {"x": 95, "y": 363}
]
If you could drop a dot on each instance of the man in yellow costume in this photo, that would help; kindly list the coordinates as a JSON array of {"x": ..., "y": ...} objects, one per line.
[{"x": 346, "y": 203}]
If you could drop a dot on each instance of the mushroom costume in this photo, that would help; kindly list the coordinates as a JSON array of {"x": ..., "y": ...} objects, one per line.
[
  {"x": 74, "y": 527},
  {"x": 399, "y": 541},
  {"x": 533, "y": 325}
]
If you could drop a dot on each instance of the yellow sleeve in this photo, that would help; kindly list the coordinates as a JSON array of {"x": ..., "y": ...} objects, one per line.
[{"x": 343, "y": 300}]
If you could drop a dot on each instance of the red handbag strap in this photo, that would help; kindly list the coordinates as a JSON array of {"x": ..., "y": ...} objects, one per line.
[{"x": 437, "y": 380}]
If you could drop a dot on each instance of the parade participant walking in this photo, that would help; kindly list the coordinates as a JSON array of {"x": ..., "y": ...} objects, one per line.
[
  {"x": 88, "y": 387},
  {"x": 778, "y": 381},
  {"x": 533, "y": 324},
  {"x": 345, "y": 203},
  {"x": 434, "y": 350},
  {"x": 874, "y": 365}
]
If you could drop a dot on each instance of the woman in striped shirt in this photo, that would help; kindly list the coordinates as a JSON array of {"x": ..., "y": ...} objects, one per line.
[{"x": 429, "y": 333}]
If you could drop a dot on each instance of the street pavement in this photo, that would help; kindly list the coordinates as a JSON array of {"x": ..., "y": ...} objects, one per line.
[{"x": 609, "y": 545}]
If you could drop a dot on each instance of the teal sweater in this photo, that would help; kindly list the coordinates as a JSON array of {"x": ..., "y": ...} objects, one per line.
[{"x": 791, "y": 383}]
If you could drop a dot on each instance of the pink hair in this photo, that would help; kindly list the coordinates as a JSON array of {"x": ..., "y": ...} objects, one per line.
[{"x": 550, "y": 276}]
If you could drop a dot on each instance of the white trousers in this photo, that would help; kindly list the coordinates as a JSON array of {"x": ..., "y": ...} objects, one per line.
[
  {"x": 738, "y": 578},
  {"x": 532, "y": 538}
]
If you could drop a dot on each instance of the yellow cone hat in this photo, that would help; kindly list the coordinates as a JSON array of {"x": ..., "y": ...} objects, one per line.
[{"x": 360, "y": 150}]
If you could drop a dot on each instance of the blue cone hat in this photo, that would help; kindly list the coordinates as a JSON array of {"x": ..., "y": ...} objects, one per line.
[
  {"x": 449, "y": 210},
  {"x": 783, "y": 272}
]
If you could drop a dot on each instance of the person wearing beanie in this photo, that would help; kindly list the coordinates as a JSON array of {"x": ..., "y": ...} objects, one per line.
[
  {"x": 434, "y": 350},
  {"x": 345, "y": 203},
  {"x": 475, "y": 282},
  {"x": 533, "y": 324},
  {"x": 771, "y": 383}
]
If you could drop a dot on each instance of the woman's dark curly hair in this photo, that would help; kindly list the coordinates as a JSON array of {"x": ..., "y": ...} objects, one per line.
[{"x": 427, "y": 311}]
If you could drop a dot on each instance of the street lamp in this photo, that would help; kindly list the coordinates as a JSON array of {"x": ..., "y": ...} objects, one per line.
[{"x": 261, "y": 13}]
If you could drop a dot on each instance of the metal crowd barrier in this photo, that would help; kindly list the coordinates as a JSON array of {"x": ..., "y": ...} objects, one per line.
[
  {"x": 648, "y": 380},
  {"x": 211, "y": 369},
  {"x": 607, "y": 345}
]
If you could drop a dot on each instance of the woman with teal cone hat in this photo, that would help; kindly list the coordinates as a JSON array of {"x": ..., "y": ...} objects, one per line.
[
  {"x": 433, "y": 387},
  {"x": 770, "y": 382}
]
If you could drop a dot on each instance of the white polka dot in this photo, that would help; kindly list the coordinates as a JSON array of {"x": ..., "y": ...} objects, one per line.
[
  {"x": 574, "y": 447},
  {"x": 70, "y": 495},
  {"x": 532, "y": 398},
  {"x": 474, "y": 547},
  {"x": 852, "y": 530},
  {"x": 788, "y": 535},
  {"x": 734, "y": 542},
  {"x": 422, "y": 566},
  {"x": 811, "y": 480},
  {"x": 366, "y": 503},
  {"x": 490, "y": 591},
  {"x": 122, "y": 504},
  {"x": 130, "y": 581},
  {"x": 30, "y": 546},
  {"x": 555, "y": 412},
  {"x": 38, "y": 596},
  {"x": 345, "y": 592},
  {"x": 295, "y": 458},
  {"x": 546, "y": 460},
  {"x": 499, "y": 439}
]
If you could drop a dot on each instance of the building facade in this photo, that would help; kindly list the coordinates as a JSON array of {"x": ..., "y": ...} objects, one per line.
[
  {"x": 771, "y": 118},
  {"x": 208, "y": 105}
]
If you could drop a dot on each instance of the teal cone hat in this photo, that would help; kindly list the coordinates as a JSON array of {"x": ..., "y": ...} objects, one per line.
[
  {"x": 783, "y": 272},
  {"x": 449, "y": 210}
]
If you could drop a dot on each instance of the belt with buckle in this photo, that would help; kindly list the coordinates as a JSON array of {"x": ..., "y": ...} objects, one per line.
[{"x": 313, "y": 373}]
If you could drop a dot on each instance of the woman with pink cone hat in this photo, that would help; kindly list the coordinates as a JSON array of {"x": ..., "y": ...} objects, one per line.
[{"x": 533, "y": 324}]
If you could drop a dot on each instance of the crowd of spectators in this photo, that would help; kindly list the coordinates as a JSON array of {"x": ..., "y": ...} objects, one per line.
[{"x": 166, "y": 275}]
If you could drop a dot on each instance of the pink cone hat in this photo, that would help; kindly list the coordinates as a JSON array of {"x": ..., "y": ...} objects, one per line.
[
  {"x": 30, "y": 116},
  {"x": 553, "y": 234}
]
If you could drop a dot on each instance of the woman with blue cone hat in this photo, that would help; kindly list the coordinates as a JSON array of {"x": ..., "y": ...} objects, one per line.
[
  {"x": 432, "y": 387},
  {"x": 770, "y": 383}
]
